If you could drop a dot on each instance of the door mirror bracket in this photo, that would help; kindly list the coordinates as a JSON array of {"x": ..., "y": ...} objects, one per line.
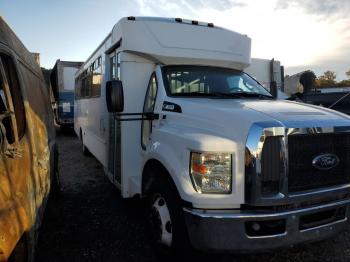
[
  {"x": 115, "y": 103},
  {"x": 144, "y": 116}
]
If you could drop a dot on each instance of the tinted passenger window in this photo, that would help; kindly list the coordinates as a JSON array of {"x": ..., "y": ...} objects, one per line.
[
  {"x": 97, "y": 78},
  {"x": 88, "y": 83}
]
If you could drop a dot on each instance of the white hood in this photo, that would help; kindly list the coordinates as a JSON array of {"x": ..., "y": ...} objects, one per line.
[
  {"x": 232, "y": 118},
  {"x": 284, "y": 111}
]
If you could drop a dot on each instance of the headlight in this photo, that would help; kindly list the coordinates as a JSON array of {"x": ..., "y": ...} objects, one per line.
[{"x": 211, "y": 172}]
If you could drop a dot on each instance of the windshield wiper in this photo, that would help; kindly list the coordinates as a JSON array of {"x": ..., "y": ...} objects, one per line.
[
  {"x": 243, "y": 94},
  {"x": 224, "y": 95},
  {"x": 195, "y": 94}
]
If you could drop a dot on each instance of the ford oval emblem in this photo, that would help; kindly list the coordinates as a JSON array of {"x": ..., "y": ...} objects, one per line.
[{"x": 325, "y": 161}]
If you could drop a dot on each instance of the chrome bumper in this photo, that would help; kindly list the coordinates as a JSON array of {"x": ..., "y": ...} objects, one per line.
[{"x": 238, "y": 230}]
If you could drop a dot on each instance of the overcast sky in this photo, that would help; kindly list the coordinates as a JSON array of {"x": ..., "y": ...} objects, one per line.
[{"x": 302, "y": 34}]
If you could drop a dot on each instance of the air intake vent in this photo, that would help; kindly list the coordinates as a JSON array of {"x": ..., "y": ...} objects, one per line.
[{"x": 272, "y": 165}]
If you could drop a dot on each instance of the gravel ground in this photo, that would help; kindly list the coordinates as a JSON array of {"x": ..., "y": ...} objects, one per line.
[{"x": 91, "y": 222}]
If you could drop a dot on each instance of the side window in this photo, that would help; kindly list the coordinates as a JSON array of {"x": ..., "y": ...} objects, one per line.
[
  {"x": 77, "y": 88},
  {"x": 88, "y": 85},
  {"x": 96, "y": 78},
  {"x": 148, "y": 107},
  {"x": 115, "y": 65},
  {"x": 11, "y": 92},
  {"x": 84, "y": 84},
  {"x": 118, "y": 66},
  {"x": 96, "y": 84},
  {"x": 4, "y": 109}
]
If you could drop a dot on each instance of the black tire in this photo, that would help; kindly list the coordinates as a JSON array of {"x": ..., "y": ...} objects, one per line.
[{"x": 164, "y": 187}]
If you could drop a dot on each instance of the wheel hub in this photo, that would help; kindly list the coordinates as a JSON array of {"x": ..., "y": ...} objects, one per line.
[{"x": 161, "y": 222}]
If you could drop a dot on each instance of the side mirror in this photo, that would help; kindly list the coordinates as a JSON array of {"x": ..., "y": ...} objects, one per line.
[
  {"x": 115, "y": 96},
  {"x": 274, "y": 89}
]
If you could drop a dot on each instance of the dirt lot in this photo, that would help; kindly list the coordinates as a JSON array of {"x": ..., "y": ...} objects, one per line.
[{"x": 90, "y": 222}]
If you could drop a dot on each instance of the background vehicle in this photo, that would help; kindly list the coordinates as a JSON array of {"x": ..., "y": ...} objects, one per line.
[
  {"x": 225, "y": 166},
  {"x": 266, "y": 71},
  {"x": 28, "y": 154},
  {"x": 334, "y": 98},
  {"x": 62, "y": 84}
]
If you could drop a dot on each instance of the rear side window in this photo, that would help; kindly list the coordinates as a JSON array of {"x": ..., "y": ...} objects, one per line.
[
  {"x": 15, "y": 92},
  {"x": 4, "y": 110}
]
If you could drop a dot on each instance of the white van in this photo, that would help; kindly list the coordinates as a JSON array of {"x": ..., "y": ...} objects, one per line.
[{"x": 225, "y": 165}]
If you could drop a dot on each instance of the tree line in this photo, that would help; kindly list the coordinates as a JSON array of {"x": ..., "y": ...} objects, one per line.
[{"x": 328, "y": 79}]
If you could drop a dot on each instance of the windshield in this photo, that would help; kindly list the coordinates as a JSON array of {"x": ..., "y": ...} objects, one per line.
[{"x": 210, "y": 81}]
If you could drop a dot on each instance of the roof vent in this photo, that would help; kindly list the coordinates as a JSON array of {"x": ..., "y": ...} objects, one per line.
[
  {"x": 194, "y": 22},
  {"x": 179, "y": 20},
  {"x": 210, "y": 24},
  {"x": 131, "y": 18}
]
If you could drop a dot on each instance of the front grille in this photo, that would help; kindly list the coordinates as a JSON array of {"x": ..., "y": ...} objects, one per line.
[
  {"x": 303, "y": 148},
  {"x": 271, "y": 165}
]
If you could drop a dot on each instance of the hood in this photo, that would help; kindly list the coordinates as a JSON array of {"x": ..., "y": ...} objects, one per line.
[
  {"x": 232, "y": 118},
  {"x": 264, "y": 110},
  {"x": 288, "y": 111}
]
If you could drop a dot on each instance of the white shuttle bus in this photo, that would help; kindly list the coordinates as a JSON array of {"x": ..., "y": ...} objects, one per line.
[{"x": 165, "y": 106}]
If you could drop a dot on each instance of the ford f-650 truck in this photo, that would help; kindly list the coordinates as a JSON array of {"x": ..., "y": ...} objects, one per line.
[{"x": 165, "y": 106}]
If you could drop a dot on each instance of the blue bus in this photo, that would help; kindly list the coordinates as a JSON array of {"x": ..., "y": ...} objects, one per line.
[{"x": 62, "y": 80}]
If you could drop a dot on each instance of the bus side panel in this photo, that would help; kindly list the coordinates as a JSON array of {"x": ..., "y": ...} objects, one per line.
[
  {"x": 94, "y": 132},
  {"x": 90, "y": 116}
]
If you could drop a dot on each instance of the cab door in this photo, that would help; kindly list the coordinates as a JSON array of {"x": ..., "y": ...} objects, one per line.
[{"x": 15, "y": 217}]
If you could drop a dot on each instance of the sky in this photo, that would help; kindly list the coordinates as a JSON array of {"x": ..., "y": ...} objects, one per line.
[{"x": 302, "y": 34}]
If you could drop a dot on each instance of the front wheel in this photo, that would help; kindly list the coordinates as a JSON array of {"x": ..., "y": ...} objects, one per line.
[
  {"x": 160, "y": 221},
  {"x": 166, "y": 219}
]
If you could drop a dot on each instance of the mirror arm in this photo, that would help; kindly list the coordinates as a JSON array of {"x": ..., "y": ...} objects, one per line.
[{"x": 144, "y": 116}]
